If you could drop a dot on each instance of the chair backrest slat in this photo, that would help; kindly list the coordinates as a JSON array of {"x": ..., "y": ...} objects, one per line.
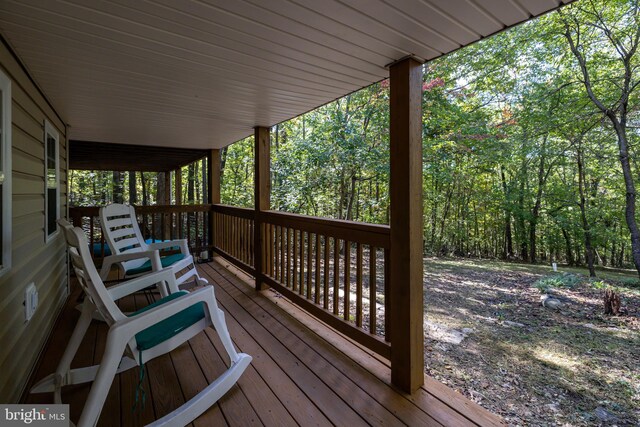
[
  {"x": 87, "y": 274},
  {"x": 120, "y": 221},
  {"x": 119, "y": 233},
  {"x": 122, "y": 232}
]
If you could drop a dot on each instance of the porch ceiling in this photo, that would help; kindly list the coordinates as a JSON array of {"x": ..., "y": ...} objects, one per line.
[
  {"x": 202, "y": 74},
  {"x": 88, "y": 155}
]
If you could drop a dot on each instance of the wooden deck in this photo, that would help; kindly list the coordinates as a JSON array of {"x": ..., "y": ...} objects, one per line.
[{"x": 303, "y": 373}]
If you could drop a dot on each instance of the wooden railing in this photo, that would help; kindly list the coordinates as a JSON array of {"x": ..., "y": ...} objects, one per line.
[
  {"x": 336, "y": 270},
  {"x": 158, "y": 222},
  {"x": 233, "y": 236}
]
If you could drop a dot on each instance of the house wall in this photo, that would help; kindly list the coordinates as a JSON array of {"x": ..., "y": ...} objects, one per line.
[{"x": 33, "y": 259}]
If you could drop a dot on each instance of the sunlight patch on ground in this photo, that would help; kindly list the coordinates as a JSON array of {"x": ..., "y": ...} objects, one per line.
[{"x": 562, "y": 360}]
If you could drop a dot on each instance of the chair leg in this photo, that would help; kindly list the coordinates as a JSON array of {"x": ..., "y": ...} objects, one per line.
[
  {"x": 74, "y": 343},
  {"x": 220, "y": 325},
  {"x": 100, "y": 388}
]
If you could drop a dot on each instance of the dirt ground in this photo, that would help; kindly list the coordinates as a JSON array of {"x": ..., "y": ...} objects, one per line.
[{"x": 489, "y": 337}]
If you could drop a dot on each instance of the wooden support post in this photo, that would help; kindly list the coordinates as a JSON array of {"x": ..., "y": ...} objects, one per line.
[
  {"x": 167, "y": 188},
  {"x": 406, "y": 305},
  {"x": 166, "y": 223},
  {"x": 262, "y": 194},
  {"x": 213, "y": 187},
  {"x": 177, "y": 184}
]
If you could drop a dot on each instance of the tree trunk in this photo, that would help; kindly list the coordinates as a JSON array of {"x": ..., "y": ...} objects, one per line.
[
  {"x": 145, "y": 192},
  {"x": 133, "y": 188},
  {"x": 616, "y": 114},
  {"x": 611, "y": 302},
  {"x": 191, "y": 181},
  {"x": 351, "y": 197},
  {"x": 569, "y": 251},
  {"x": 160, "y": 189},
  {"x": 583, "y": 210},
  {"x": 118, "y": 187},
  {"x": 508, "y": 239},
  {"x": 630, "y": 209},
  {"x": 205, "y": 182},
  {"x": 543, "y": 173}
]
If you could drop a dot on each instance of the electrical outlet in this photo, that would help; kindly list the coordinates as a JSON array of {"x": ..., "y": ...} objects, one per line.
[{"x": 30, "y": 301}]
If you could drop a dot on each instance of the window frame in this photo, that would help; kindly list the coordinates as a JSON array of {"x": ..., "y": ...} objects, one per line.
[
  {"x": 5, "y": 168},
  {"x": 50, "y": 130}
]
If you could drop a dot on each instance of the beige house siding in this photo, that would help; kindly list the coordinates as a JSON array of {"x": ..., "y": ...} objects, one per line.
[{"x": 33, "y": 260}]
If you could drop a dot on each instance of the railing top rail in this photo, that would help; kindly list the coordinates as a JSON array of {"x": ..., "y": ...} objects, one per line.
[
  {"x": 234, "y": 210},
  {"x": 372, "y": 234},
  {"x": 94, "y": 210}
]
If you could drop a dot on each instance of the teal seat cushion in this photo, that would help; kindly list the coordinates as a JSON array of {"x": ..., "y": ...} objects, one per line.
[
  {"x": 166, "y": 262},
  {"x": 170, "y": 326}
]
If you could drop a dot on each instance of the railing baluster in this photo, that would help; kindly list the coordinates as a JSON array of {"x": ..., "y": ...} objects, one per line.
[
  {"x": 237, "y": 238},
  {"x": 302, "y": 240},
  {"x": 252, "y": 228},
  {"x": 309, "y": 265},
  {"x": 347, "y": 280},
  {"x": 270, "y": 250},
  {"x": 275, "y": 253},
  {"x": 387, "y": 297},
  {"x": 372, "y": 289},
  {"x": 243, "y": 240},
  {"x": 336, "y": 276},
  {"x": 227, "y": 234},
  {"x": 295, "y": 260},
  {"x": 247, "y": 234},
  {"x": 325, "y": 294},
  {"x": 359, "y": 285},
  {"x": 282, "y": 256},
  {"x": 288, "y": 252},
  {"x": 263, "y": 231},
  {"x": 317, "y": 294}
]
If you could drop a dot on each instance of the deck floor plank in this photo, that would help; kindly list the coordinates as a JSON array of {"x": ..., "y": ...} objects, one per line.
[
  {"x": 303, "y": 372},
  {"x": 251, "y": 383},
  {"x": 371, "y": 410},
  {"x": 192, "y": 381},
  {"x": 234, "y": 404},
  {"x": 333, "y": 406},
  {"x": 383, "y": 393},
  {"x": 301, "y": 408}
]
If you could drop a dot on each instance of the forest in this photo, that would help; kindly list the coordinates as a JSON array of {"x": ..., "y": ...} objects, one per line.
[{"x": 529, "y": 148}]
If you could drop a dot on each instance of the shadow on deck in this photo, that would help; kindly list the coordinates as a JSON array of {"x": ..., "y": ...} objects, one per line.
[{"x": 303, "y": 373}]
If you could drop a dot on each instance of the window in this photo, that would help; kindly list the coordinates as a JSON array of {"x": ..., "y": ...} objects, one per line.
[
  {"x": 5, "y": 173},
  {"x": 52, "y": 185}
]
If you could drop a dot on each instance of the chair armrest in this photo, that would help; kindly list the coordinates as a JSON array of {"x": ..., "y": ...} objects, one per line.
[
  {"x": 182, "y": 243},
  {"x": 130, "y": 286},
  {"x": 130, "y": 326},
  {"x": 108, "y": 261}
]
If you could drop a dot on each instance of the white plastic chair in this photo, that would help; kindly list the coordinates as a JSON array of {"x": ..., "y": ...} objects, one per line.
[
  {"x": 139, "y": 337},
  {"x": 125, "y": 240}
]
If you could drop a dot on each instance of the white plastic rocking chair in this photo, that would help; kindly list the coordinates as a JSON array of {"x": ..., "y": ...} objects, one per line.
[
  {"x": 135, "y": 339},
  {"x": 124, "y": 238}
]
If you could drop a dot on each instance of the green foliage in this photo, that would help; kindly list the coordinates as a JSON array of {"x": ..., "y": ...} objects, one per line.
[
  {"x": 600, "y": 284},
  {"x": 564, "y": 280},
  {"x": 517, "y": 161},
  {"x": 236, "y": 186},
  {"x": 631, "y": 283}
]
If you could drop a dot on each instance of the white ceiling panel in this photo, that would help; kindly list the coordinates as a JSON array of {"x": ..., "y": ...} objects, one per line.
[{"x": 203, "y": 73}]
